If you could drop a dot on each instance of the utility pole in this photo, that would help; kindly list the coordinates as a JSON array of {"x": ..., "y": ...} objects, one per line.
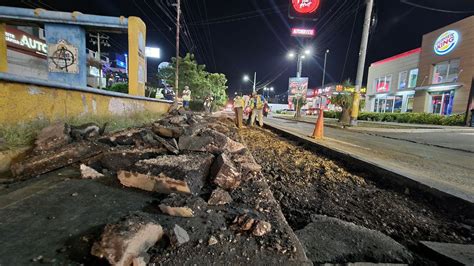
[
  {"x": 254, "y": 81},
  {"x": 324, "y": 69},
  {"x": 361, "y": 66},
  {"x": 178, "y": 16},
  {"x": 299, "y": 66},
  {"x": 99, "y": 40}
]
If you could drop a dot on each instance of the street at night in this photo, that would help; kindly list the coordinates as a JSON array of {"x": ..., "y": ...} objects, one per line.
[{"x": 238, "y": 132}]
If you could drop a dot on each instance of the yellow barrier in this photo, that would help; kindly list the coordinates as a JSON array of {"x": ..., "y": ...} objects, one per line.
[{"x": 20, "y": 102}]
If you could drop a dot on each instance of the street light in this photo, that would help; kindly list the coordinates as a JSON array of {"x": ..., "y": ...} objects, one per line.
[
  {"x": 246, "y": 78},
  {"x": 300, "y": 56},
  {"x": 324, "y": 68}
]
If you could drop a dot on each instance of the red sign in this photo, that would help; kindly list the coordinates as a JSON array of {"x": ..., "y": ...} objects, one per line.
[
  {"x": 301, "y": 32},
  {"x": 382, "y": 86},
  {"x": 305, "y": 6},
  {"x": 25, "y": 43}
]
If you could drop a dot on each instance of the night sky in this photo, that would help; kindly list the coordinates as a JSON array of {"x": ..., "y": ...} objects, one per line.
[{"x": 238, "y": 37}]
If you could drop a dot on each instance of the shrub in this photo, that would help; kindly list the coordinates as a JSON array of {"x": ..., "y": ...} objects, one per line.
[
  {"x": 413, "y": 118},
  {"x": 119, "y": 87},
  {"x": 196, "y": 105},
  {"x": 454, "y": 120},
  {"x": 332, "y": 114}
]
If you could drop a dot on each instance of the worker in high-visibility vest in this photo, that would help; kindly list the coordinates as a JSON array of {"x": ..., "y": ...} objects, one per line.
[
  {"x": 257, "y": 103},
  {"x": 239, "y": 105},
  {"x": 159, "y": 94},
  {"x": 186, "y": 97}
]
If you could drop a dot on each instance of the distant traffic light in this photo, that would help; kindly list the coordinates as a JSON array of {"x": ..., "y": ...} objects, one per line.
[{"x": 303, "y": 9}]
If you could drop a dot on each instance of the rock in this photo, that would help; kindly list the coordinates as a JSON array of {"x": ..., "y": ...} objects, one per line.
[
  {"x": 212, "y": 241},
  {"x": 172, "y": 148},
  {"x": 250, "y": 167},
  {"x": 140, "y": 261},
  {"x": 89, "y": 173},
  {"x": 177, "y": 211},
  {"x": 130, "y": 238},
  {"x": 52, "y": 160},
  {"x": 124, "y": 159},
  {"x": 234, "y": 146},
  {"x": 167, "y": 132},
  {"x": 205, "y": 140},
  {"x": 225, "y": 174},
  {"x": 75, "y": 194},
  {"x": 161, "y": 184},
  {"x": 332, "y": 240},
  {"x": 53, "y": 136},
  {"x": 190, "y": 168},
  {"x": 262, "y": 228},
  {"x": 179, "y": 236},
  {"x": 178, "y": 119},
  {"x": 219, "y": 197}
]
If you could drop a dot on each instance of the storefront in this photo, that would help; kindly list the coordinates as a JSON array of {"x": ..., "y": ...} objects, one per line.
[
  {"x": 436, "y": 78},
  {"x": 447, "y": 62},
  {"x": 392, "y": 82}
]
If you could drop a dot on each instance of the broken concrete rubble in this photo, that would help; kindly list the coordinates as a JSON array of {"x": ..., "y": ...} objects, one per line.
[
  {"x": 185, "y": 212},
  {"x": 225, "y": 174},
  {"x": 53, "y": 136},
  {"x": 246, "y": 223},
  {"x": 262, "y": 228},
  {"x": 332, "y": 240},
  {"x": 89, "y": 173},
  {"x": 219, "y": 197},
  {"x": 178, "y": 236},
  {"x": 167, "y": 132},
  {"x": 190, "y": 168},
  {"x": 123, "y": 159},
  {"x": 123, "y": 242},
  {"x": 161, "y": 183}
]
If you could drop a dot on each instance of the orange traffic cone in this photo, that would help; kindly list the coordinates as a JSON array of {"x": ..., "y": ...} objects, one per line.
[{"x": 318, "y": 132}]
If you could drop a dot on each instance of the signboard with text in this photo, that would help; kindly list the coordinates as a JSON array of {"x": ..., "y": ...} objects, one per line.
[
  {"x": 303, "y": 9},
  {"x": 297, "y": 87},
  {"x": 302, "y": 32},
  {"x": 25, "y": 43}
]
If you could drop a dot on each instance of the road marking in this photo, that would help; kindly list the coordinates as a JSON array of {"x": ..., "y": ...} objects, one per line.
[{"x": 347, "y": 143}]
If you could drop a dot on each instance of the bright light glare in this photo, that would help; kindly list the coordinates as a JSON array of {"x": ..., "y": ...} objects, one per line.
[
  {"x": 307, "y": 52},
  {"x": 152, "y": 52},
  {"x": 303, "y": 57},
  {"x": 271, "y": 89},
  {"x": 246, "y": 78},
  {"x": 291, "y": 54}
]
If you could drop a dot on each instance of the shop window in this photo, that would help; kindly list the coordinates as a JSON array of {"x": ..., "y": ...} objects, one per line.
[
  {"x": 410, "y": 101},
  {"x": 442, "y": 103},
  {"x": 445, "y": 72},
  {"x": 402, "y": 80},
  {"x": 382, "y": 84},
  {"x": 413, "y": 78},
  {"x": 397, "y": 104}
]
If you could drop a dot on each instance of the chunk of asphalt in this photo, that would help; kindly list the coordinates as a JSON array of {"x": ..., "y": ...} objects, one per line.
[{"x": 452, "y": 253}]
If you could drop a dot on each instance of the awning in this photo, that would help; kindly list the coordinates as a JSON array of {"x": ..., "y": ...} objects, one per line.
[{"x": 440, "y": 87}]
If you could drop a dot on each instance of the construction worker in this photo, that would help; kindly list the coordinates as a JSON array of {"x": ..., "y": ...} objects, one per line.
[
  {"x": 186, "y": 97},
  {"x": 238, "y": 109},
  {"x": 159, "y": 94},
  {"x": 256, "y": 104}
]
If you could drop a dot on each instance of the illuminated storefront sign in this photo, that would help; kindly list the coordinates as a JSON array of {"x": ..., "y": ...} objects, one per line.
[
  {"x": 446, "y": 42},
  {"x": 305, "y": 6},
  {"x": 25, "y": 42},
  {"x": 301, "y": 32}
]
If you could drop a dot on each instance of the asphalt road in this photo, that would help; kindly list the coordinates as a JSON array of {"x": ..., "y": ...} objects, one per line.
[{"x": 442, "y": 159}]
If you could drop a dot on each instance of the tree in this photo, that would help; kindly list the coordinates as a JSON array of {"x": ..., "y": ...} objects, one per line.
[
  {"x": 343, "y": 100},
  {"x": 298, "y": 103},
  {"x": 201, "y": 82}
]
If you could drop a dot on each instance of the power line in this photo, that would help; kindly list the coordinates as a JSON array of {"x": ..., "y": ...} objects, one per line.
[
  {"x": 407, "y": 2},
  {"x": 350, "y": 41}
]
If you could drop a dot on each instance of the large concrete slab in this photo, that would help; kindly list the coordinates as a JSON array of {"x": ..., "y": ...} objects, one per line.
[{"x": 462, "y": 254}]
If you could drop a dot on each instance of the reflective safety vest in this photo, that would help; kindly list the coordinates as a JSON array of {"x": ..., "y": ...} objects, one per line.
[
  {"x": 187, "y": 95},
  {"x": 159, "y": 94},
  {"x": 258, "y": 104},
  {"x": 238, "y": 102}
]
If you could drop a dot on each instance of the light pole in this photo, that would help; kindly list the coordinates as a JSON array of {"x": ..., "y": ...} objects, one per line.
[
  {"x": 324, "y": 68},
  {"x": 268, "y": 90},
  {"x": 300, "y": 57},
  {"x": 246, "y": 78}
]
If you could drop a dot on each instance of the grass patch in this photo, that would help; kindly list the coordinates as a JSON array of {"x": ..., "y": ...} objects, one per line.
[{"x": 13, "y": 136}]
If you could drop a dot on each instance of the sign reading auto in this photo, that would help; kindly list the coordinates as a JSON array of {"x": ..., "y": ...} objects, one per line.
[
  {"x": 446, "y": 42},
  {"x": 25, "y": 43}
]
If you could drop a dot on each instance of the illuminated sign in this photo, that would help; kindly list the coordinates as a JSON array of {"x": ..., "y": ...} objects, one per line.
[
  {"x": 24, "y": 42},
  {"x": 301, "y": 32},
  {"x": 446, "y": 42},
  {"x": 152, "y": 52},
  {"x": 305, "y": 6}
]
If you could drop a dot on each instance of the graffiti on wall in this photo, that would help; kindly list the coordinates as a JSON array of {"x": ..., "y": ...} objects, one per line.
[{"x": 63, "y": 57}]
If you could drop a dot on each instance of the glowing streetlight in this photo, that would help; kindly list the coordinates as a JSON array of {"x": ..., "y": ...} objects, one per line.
[
  {"x": 246, "y": 78},
  {"x": 291, "y": 54},
  {"x": 307, "y": 51}
]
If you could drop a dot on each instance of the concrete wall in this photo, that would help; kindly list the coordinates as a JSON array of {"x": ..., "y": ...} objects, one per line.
[
  {"x": 27, "y": 65},
  {"x": 22, "y": 101},
  {"x": 76, "y": 36}
]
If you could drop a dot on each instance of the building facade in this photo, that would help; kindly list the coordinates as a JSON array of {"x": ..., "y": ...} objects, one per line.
[{"x": 436, "y": 78}]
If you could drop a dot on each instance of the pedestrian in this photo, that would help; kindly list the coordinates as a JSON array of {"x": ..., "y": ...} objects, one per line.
[
  {"x": 159, "y": 94},
  {"x": 238, "y": 109},
  {"x": 208, "y": 104},
  {"x": 186, "y": 97},
  {"x": 256, "y": 104}
]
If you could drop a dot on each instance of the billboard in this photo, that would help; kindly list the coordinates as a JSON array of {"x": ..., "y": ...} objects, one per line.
[
  {"x": 297, "y": 87},
  {"x": 303, "y": 9},
  {"x": 302, "y": 32}
]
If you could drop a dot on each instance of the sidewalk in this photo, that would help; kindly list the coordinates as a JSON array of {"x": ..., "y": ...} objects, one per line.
[
  {"x": 447, "y": 169},
  {"x": 382, "y": 126}
]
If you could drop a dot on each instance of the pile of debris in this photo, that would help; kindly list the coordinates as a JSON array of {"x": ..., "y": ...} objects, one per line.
[{"x": 212, "y": 203}]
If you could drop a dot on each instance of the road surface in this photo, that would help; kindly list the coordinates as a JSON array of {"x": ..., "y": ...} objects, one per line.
[{"x": 440, "y": 159}]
